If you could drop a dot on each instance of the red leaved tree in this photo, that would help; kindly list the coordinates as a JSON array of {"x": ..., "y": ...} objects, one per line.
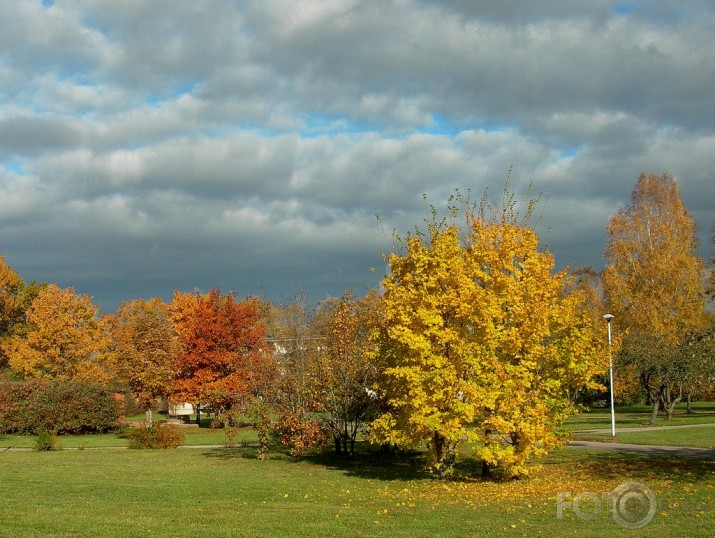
[{"x": 222, "y": 343}]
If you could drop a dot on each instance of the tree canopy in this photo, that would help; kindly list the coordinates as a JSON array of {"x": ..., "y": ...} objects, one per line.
[
  {"x": 221, "y": 341},
  {"x": 65, "y": 339},
  {"x": 654, "y": 287},
  {"x": 478, "y": 333},
  {"x": 653, "y": 278}
]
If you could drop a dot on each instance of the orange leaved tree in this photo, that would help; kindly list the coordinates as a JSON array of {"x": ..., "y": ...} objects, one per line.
[
  {"x": 146, "y": 347},
  {"x": 222, "y": 343},
  {"x": 64, "y": 340},
  {"x": 654, "y": 286},
  {"x": 15, "y": 299}
]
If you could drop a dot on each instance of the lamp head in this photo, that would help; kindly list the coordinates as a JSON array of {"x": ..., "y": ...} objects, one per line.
[{"x": 608, "y": 317}]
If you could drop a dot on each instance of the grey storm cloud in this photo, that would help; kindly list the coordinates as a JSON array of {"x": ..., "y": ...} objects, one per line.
[{"x": 154, "y": 145}]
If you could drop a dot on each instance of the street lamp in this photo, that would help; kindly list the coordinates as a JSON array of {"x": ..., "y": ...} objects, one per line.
[{"x": 608, "y": 318}]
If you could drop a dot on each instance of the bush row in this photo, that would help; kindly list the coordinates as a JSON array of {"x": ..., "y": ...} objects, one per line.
[{"x": 62, "y": 407}]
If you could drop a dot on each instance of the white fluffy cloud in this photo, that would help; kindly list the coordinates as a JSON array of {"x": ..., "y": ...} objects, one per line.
[{"x": 151, "y": 145}]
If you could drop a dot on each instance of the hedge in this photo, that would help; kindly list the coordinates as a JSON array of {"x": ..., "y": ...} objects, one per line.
[{"x": 62, "y": 407}]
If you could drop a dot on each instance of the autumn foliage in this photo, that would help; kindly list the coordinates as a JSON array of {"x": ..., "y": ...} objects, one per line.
[
  {"x": 653, "y": 280},
  {"x": 481, "y": 345},
  {"x": 475, "y": 340},
  {"x": 222, "y": 341},
  {"x": 344, "y": 368},
  {"x": 654, "y": 286},
  {"x": 64, "y": 339},
  {"x": 15, "y": 299},
  {"x": 65, "y": 407},
  {"x": 146, "y": 347}
]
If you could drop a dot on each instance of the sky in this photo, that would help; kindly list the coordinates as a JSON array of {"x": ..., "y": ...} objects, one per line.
[{"x": 152, "y": 146}]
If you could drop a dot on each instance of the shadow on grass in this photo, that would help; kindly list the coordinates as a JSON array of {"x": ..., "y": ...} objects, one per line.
[
  {"x": 235, "y": 453},
  {"x": 368, "y": 462},
  {"x": 637, "y": 466},
  {"x": 371, "y": 463}
]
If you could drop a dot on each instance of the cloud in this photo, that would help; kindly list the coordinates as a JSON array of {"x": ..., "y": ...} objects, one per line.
[{"x": 147, "y": 146}]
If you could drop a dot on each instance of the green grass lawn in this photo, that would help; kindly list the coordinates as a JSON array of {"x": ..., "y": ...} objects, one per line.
[
  {"x": 227, "y": 492},
  {"x": 637, "y": 416},
  {"x": 194, "y": 436},
  {"x": 694, "y": 437}
]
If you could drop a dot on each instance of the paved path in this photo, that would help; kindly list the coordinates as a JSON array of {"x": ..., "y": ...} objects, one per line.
[
  {"x": 659, "y": 450},
  {"x": 678, "y": 451},
  {"x": 29, "y": 449}
]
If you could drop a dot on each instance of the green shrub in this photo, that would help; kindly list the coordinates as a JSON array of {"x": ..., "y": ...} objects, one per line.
[
  {"x": 46, "y": 441},
  {"x": 13, "y": 406},
  {"x": 64, "y": 407},
  {"x": 155, "y": 437}
]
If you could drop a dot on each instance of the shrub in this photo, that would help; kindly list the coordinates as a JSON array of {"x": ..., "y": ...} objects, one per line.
[
  {"x": 155, "y": 437},
  {"x": 46, "y": 441},
  {"x": 299, "y": 433},
  {"x": 64, "y": 407},
  {"x": 13, "y": 406}
]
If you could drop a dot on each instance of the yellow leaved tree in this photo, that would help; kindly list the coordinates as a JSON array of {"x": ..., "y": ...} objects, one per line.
[
  {"x": 65, "y": 340},
  {"x": 653, "y": 280},
  {"x": 654, "y": 287},
  {"x": 343, "y": 368},
  {"x": 15, "y": 299},
  {"x": 481, "y": 344}
]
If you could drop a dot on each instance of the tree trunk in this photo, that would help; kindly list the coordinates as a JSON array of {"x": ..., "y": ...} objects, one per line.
[
  {"x": 348, "y": 446},
  {"x": 338, "y": 445},
  {"x": 670, "y": 407},
  {"x": 645, "y": 383},
  {"x": 149, "y": 417},
  {"x": 353, "y": 436},
  {"x": 438, "y": 444},
  {"x": 443, "y": 455},
  {"x": 198, "y": 414},
  {"x": 688, "y": 408},
  {"x": 656, "y": 408}
]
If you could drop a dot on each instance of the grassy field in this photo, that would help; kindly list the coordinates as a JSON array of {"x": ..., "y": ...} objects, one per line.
[
  {"x": 626, "y": 417},
  {"x": 639, "y": 416},
  {"x": 692, "y": 437},
  {"x": 227, "y": 492},
  {"x": 194, "y": 436}
]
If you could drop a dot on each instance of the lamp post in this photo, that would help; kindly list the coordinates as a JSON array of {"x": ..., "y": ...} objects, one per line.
[{"x": 608, "y": 318}]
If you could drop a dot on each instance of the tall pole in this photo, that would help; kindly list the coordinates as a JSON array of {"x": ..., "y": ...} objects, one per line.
[{"x": 608, "y": 318}]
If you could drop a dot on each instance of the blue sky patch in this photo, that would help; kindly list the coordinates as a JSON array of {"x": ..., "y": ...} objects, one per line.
[{"x": 17, "y": 167}]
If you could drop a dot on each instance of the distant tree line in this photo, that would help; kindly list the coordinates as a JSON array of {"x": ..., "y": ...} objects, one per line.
[{"x": 475, "y": 338}]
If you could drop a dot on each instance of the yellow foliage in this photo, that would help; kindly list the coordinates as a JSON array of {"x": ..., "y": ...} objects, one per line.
[
  {"x": 654, "y": 288},
  {"x": 653, "y": 279},
  {"x": 482, "y": 345},
  {"x": 65, "y": 340}
]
